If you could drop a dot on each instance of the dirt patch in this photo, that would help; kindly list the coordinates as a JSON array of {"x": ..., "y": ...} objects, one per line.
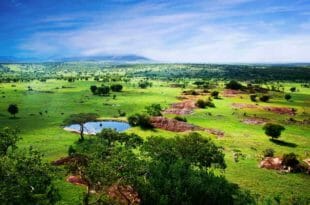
[
  {"x": 76, "y": 180},
  {"x": 281, "y": 110},
  {"x": 243, "y": 105},
  {"x": 123, "y": 194},
  {"x": 173, "y": 125},
  {"x": 181, "y": 108},
  {"x": 271, "y": 163},
  {"x": 216, "y": 132},
  {"x": 180, "y": 126},
  {"x": 231, "y": 93},
  {"x": 77, "y": 159},
  {"x": 255, "y": 121}
]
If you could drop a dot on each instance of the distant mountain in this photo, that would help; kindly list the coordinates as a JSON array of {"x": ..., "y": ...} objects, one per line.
[{"x": 105, "y": 58}]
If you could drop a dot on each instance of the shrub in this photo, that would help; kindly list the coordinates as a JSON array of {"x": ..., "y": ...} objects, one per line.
[
  {"x": 273, "y": 130},
  {"x": 264, "y": 98},
  {"x": 253, "y": 97},
  {"x": 93, "y": 89},
  {"x": 215, "y": 94},
  {"x": 179, "y": 118},
  {"x": 234, "y": 85},
  {"x": 200, "y": 103},
  {"x": 268, "y": 152},
  {"x": 140, "y": 120},
  {"x": 116, "y": 87},
  {"x": 290, "y": 160},
  {"x": 154, "y": 110},
  {"x": 293, "y": 89},
  {"x": 287, "y": 97}
]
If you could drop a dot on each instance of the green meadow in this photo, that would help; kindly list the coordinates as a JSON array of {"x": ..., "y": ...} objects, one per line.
[{"x": 57, "y": 99}]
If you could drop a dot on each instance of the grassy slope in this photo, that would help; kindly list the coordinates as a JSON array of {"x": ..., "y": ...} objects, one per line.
[{"x": 46, "y": 134}]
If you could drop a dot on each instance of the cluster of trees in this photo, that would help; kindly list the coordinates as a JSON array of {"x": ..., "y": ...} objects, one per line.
[
  {"x": 204, "y": 103},
  {"x": 175, "y": 170},
  {"x": 105, "y": 90},
  {"x": 25, "y": 178}
]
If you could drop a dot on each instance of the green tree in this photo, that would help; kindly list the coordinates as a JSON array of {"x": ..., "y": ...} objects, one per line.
[
  {"x": 13, "y": 109},
  {"x": 26, "y": 179},
  {"x": 81, "y": 119},
  {"x": 116, "y": 87},
  {"x": 287, "y": 97},
  {"x": 154, "y": 110},
  {"x": 273, "y": 130},
  {"x": 215, "y": 94},
  {"x": 8, "y": 139},
  {"x": 140, "y": 120},
  {"x": 234, "y": 85},
  {"x": 264, "y": 98},
  {"x": 93, "y": 89}
]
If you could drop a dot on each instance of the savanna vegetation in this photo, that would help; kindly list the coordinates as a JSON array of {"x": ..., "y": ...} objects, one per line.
[{"x": 200, "y": 134}]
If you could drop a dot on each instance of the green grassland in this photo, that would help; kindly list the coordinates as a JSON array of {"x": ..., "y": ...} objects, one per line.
[{"x": 57, "y": 99}]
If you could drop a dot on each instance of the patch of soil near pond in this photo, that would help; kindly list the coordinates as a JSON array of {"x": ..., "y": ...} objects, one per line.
[
  {"x": 181, "y": 108},
  {"x": 174, "y": 125}
]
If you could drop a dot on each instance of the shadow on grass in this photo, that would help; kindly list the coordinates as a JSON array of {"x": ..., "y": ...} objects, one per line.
[{"x": 283, "y": 143}]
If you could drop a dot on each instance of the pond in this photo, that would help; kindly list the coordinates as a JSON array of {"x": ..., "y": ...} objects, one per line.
[{"x": 96, "y": 127}]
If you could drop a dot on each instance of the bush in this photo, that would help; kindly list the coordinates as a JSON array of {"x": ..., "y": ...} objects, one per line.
[
  {"x": 103, "y": 90},
  {"x": 140, "y": 120},
  {"x": 292, "y": 89},
  {"x": 215, "y": 94},
  {"x": 253, "y": 98},
  {"x": 116, "y": 87},
  {"x": 200, "y": 103},
  {"x": 93, "y": 89},
  {"x": 264, "y": 98},
  {"x": 179, "y": 118},
  {"x": 290, "y": 160},
  {"x": 154, "y": 110},
  {"x": 234, "y": 85},
  {"x": 71, "y": 151},
  {"x": 268, "y": 152},
  {"x": 273, "y": 130},
  {"x": 287, "y": 97}
]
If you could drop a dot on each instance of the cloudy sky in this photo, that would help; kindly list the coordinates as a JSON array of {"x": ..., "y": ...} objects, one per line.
[{"x": 175, "y": 31}]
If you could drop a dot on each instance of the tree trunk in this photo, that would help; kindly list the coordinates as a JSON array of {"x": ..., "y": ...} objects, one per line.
[{"x": 82, "y": 132}]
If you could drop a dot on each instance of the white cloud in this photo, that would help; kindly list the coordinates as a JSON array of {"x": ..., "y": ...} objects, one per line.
[{"x": 177, "y": 37}]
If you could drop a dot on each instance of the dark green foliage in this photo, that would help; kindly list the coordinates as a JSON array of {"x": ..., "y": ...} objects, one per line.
[
  {"x": 200, "y": 103},
  {"x": 71, "y": 150},
  {"x": 169, "y": 171},
  {"x": 144, "y": 84},
  {"x": 204, "y": 103},
  {"x": 234, "y": 85},
  {"x": 273, "y": 130},
  {"x": 154, "y": 110},
  {"x": 8, "y": 139},
  {"x": 179, "y": 118},
  {"x": 268, "y": 152},
  {"x": 26, "y": 179},
  {"x": 293, "y": 89},
  {"x": 13, "y": 109},
  {"x": 93, "y": 89},
  {"x": 290, "y": 160},
  {"x": 253, "y": 97},
  {"x": 287, "y": 97},
  {"x": 215, "y": 94},
  {"x": 140, "y": 120},
  {"x": 264, "y": 98},
  {"x": 121, "y": 113},
  {"x": 116, "y": 87},
  {"x": 103, "y": 90}
]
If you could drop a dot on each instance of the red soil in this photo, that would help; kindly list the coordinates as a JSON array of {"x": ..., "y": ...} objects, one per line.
[
  {"x": 271, "y": 163},
  {"x": 231, "y": 93},
  {"x": 172, "y": 125},
  {"x": 281, "y": 110},
  {"x": 179, "y": 126},
  {"x": 123, "y": 194},
  {"x": 76, "y": 180},
  {"x": 243, "y": 105},
  {"x": 181, "y": 108}
]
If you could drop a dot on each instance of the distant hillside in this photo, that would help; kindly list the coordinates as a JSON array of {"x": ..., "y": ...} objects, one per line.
[{"x": 106, "y": 58}]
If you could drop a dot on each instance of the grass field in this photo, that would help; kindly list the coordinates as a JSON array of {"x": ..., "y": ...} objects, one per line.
[{"x": 57, "y": 99}]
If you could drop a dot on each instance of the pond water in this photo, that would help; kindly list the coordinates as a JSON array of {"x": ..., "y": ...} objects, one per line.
[{"x": 96, "y": 127}]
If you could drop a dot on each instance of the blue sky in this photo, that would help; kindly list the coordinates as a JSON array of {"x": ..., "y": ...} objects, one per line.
[{"x": 175, "y": 31}]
